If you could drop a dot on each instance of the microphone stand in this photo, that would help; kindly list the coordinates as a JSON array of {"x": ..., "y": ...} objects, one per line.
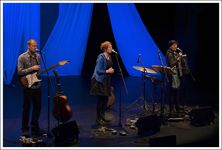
[
  {"x": 120, "y": 92},
  {"x": 185, "y": 60},
  {"x": 161, "y": 61},
  {"x": 163, "y": 74},
  {"x": 190, "y": 73},
  {"x": 49, "y": 82},
  {"x": 144, "y": 84}
]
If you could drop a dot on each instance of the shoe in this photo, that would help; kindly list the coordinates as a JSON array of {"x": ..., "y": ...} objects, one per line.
[
  {"x": 38, "y": 131},
  {"x": 25, "y": 133}
]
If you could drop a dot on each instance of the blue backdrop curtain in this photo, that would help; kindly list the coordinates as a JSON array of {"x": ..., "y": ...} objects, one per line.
[
  {"x": 69, "y": 37},
  {"x": 32, "y": 23},
  {"x": 20, "y": 22},
  {"x": 132, "y": 37}
]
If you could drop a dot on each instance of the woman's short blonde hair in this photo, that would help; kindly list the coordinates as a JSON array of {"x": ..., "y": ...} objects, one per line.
[{"x": 104, "y": 46}]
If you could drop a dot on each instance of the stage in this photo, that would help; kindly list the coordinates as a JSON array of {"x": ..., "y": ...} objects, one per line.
[{"x": 83, "y": 105}]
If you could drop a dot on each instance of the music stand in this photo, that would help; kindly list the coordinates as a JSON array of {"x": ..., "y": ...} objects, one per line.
[{"x": 155, "y": 81}]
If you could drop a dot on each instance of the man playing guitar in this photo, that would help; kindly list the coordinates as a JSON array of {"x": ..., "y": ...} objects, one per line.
[{"x": 28, "y": 63}]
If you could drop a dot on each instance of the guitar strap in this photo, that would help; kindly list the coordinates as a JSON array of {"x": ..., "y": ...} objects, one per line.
[{"x": 37, "y": 60}]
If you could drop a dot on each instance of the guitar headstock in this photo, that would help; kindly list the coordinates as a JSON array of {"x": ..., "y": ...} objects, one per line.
[{"x": 61, "y": 63}]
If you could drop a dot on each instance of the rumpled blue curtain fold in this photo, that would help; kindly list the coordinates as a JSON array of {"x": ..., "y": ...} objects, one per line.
[
  {"x": 132, "y": 37},
  {"x": 20, "y": 22},
  {"x": 68, "y": 40}
]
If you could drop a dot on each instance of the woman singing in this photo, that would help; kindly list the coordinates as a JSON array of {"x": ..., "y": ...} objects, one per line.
[{"x": 101, "y": 80}]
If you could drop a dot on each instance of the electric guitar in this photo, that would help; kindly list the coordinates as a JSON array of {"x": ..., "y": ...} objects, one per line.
[{"x": 28, "y": 80}]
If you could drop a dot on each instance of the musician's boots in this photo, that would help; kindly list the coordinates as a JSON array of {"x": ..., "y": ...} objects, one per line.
[
  {"x": 36, "y": 131},
  {"x": 25, "y": 133}
]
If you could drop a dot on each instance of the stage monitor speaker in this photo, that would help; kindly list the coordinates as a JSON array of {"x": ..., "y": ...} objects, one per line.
[
  {"x": 66, "y": 134},
  {"x": 148, "y": 125},
  {"x": 202, "y": 116},
  {"x": 169, "y": 141}
]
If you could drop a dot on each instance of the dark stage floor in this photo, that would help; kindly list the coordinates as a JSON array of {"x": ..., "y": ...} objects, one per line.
[{"x": 83, "y": 107}]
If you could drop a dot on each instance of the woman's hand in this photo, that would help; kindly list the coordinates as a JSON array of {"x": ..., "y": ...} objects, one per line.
[{"x": 110, "y": 70}]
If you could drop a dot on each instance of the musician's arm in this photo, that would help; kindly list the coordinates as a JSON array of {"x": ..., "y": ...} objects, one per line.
[
  {"x": 100, "y": 65},
  {"x": 172, "y": 60},
  {"x": 20, "y": 67}
]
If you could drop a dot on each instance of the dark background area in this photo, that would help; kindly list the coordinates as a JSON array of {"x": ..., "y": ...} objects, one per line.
[{"x": 195, "y": 26}]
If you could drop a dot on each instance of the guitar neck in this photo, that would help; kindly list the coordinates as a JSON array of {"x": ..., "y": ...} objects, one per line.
[
  {"x": 48, "y": 69},
  {"x": 59, "y": 89}
]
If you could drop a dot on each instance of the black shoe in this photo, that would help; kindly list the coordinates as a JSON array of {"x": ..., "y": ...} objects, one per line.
[
  {"x": 38, "y": 131},
  {"x": 25, "y": 133}
]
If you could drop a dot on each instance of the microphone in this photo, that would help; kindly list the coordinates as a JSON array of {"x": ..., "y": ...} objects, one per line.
[
  {"x": 114, "y": 51},
  {"x": 179, "y": 49},
  {"x": 138, "y": 59},
  {"x": 37, "y": 50}
]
